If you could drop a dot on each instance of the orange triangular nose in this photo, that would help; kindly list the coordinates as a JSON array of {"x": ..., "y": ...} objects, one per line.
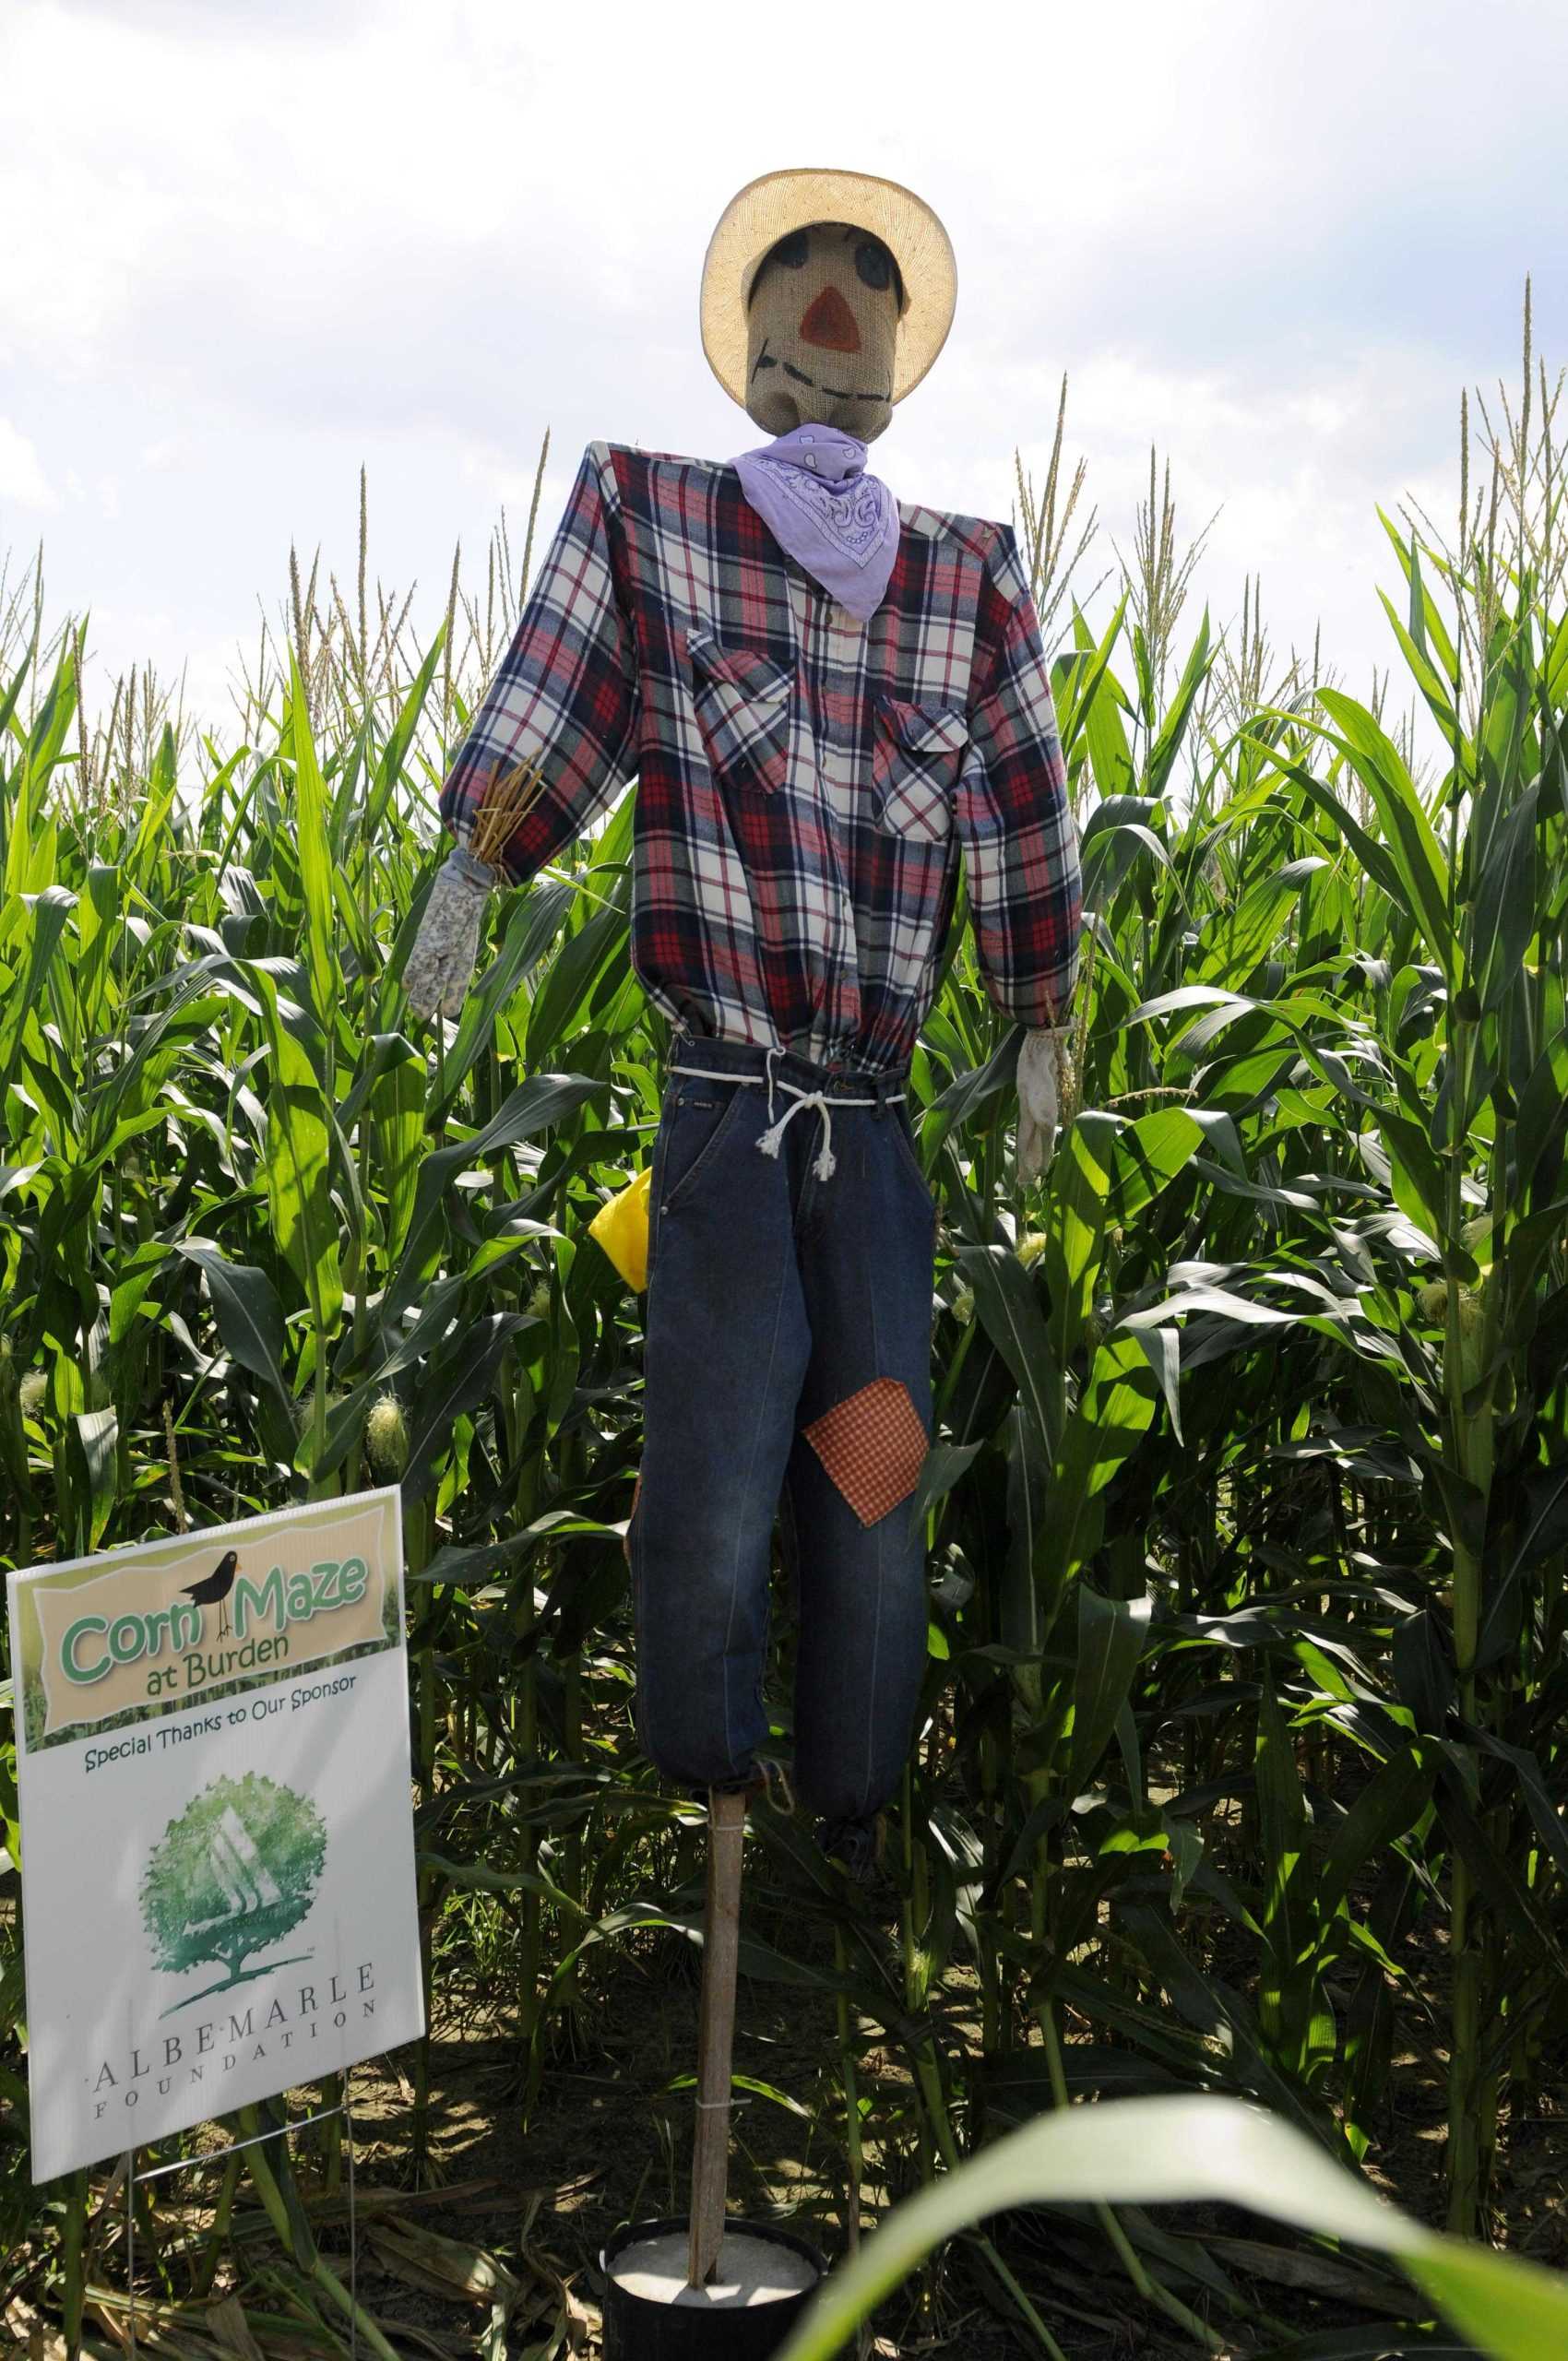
[{"x": 829, "y": 321}]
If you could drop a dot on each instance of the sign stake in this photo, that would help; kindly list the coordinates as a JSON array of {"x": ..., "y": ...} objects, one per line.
[{"x": 220, "y": 2156}]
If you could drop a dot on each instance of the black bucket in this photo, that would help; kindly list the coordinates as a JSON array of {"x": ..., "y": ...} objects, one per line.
[{"x": 639, "y": 2328}]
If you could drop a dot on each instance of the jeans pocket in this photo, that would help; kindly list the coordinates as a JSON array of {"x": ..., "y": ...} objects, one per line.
[
  {"x": 696, "y": 1131},
  {"x": 908, "y": 1155},
  {"x": 656, "y": 1181}
]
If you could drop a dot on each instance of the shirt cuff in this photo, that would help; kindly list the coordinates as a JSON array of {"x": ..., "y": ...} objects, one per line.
[{"x": 469, "y": 867}]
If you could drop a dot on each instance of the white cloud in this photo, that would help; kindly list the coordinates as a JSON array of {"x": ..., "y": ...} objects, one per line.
[
  {"x": 269, "y": 241},
  {"x": 21, "y": 471}
]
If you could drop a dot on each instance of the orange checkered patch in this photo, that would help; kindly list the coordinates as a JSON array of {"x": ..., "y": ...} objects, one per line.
[{"x": 872, "y": 1446}]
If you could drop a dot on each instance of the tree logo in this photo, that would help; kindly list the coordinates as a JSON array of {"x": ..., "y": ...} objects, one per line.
[{"x": 232, "y": 1876}]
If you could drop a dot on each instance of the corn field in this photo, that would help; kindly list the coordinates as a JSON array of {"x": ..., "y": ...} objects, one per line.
[{"x": 1242, "y": 1763}]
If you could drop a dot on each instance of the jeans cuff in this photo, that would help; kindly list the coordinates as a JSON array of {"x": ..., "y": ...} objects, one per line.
[{"x": 857, "y": 1843}]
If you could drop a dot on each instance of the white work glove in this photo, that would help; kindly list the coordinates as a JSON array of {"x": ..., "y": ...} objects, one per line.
[
  {"x": 1039, "y": 1056},
  {"x": 440, "y": 968}
]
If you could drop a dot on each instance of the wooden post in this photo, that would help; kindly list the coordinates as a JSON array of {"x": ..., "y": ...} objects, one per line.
[{"x": 716, "y": 2031}]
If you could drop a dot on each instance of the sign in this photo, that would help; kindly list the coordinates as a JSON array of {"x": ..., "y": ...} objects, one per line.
[{"x": 218, "y": 1863}]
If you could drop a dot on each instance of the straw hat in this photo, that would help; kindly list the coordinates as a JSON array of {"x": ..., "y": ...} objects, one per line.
[{"x": 767, "y": 210}]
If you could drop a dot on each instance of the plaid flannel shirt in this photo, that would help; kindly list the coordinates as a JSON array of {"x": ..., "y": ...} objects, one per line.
[{"x": 807, "y": 785}]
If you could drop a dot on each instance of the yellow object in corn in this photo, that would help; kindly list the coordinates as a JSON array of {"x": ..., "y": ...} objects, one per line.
[{"x": 620, "y": 1227}]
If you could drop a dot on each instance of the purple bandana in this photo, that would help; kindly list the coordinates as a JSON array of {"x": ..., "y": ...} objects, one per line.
[{"x": 811, "y": 489}]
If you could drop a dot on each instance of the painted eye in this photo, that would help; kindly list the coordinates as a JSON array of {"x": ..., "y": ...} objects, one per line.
[
  {"x": 873, "y": 264},
  {"x": 791, "y": 251}
]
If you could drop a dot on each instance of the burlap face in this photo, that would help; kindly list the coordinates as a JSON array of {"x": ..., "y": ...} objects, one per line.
[{"x": 822, "y": 323}]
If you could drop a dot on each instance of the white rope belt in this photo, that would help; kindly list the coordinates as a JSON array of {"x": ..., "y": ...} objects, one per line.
[{"x": 771, "y": 1140}]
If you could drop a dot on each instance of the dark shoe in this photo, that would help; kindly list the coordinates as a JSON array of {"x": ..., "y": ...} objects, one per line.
[{"x": 858, "y": 1845}]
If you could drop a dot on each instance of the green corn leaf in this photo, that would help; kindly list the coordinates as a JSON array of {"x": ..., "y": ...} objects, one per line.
[
  {"x": 393, "y": 760},
  {"x": 1109, "y": 756},
  {"x": 1112, "y": 1633},
  {"x": 1245, "y": 933},
  {"x": 1173, "y": 729},
  {"x": 532, "y": 928},
  {"x": 9, "y": 697},
  {"x": 44, "y": 928},
  {"x": 97, "y": 1443},
  {"x": 561, "y": 1001},
  {"x": 1113, "y": 1414},
  {"x": 1286, "y": 1986},
  {"x": 245, "y": 1306},
  {"x": 456, "y": 1383},
  {"x": 1515, "y": 1906},
  {"x": 1008, "y": 1311},
  {"x": 1147, "y": 1157},
  {"x": 1378, "y": 763},
  {"x": 533, "y": 1106},
  {"x": 1081, "y": 1180},
  {"x": 1074, "y": 709},
  {"x": 1174, "y": 2149},
  {"x": 1506, "y": 911},
  {"x": 397, "y": 1113},
  {"x": 314, "y": 854},
  {"x": 148, "y": 861},
  {"x": 31, "y": 841},
  {"x": 295, "y": 1163},
  {"x": 1375, "y": 858},
  {"x": 1427, "y": 627},
  {"x": 1021, "y": 1620},
  {"x": 1108, "y": 852},
  {"x": 1429, "y": 680},
  {"x": 1392, "y": 1801}
]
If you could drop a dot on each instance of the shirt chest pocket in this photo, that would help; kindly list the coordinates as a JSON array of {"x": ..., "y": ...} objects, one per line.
[
  {"x": 916, "y": 757},
  {"x": 741, "y": 701}
]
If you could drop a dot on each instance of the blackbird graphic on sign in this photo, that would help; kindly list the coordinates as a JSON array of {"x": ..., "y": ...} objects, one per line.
[{"x": 216, "y": 1587}]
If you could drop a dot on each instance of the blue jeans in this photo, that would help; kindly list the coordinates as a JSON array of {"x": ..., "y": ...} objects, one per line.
[{"x": 787, "y": 1366}]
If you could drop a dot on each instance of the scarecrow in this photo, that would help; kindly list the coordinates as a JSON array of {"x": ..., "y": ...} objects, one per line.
[{"x": 831, "y": 701}]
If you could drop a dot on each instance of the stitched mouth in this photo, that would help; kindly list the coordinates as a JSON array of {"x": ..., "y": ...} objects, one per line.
[{"x": 767, "y": 360}]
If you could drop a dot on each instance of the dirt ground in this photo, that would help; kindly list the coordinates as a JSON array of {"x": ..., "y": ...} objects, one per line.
[{"x": 609, "y": 2142}]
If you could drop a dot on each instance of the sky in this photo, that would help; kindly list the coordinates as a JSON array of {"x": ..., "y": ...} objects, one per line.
[{"x": 253, "y": 245}]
